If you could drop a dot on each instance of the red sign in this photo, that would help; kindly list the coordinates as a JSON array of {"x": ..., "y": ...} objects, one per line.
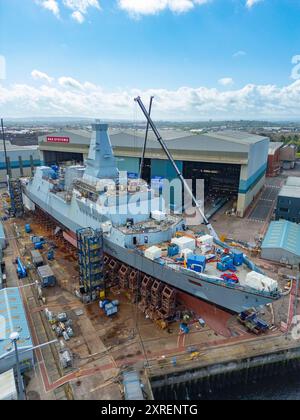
[{"x": 58, "y": 139}]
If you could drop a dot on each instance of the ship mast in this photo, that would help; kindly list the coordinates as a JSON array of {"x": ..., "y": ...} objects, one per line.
[{"x": 179, "y": 174}]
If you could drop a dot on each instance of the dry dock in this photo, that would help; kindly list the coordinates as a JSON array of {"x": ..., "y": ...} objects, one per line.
[{"x": 171, "y": 364}]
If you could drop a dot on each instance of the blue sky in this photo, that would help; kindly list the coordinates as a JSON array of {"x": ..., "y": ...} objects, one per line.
[{"x": 223, "y": 58}]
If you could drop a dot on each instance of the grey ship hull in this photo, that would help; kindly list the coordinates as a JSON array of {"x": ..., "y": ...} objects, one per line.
[{"x": 232, "y": 298}]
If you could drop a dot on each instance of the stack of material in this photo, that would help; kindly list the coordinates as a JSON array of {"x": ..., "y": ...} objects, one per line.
[
  {"x": 158, "y": 215},
  {"x": 37, "y": 258},
  {"x": 184, "y": 242},
  {"x": 153, "y": 253},
  {"x": 46, "y": 276},
  {"x": 156, "y": 294},
  {"x": 123, "y": 276},
  {"x": 168, "y": 303},
  {"x": 260, "y": 282},
  {"x": 205, "y": 240}
]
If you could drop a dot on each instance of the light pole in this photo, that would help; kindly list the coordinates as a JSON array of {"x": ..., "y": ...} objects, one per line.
[{"x": 14, "y": 337}]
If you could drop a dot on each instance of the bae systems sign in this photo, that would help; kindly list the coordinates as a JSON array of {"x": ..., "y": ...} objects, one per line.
[{"x": 58, "y": 139}]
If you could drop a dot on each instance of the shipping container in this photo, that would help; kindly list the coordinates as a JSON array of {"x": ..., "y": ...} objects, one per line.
[
  {"x": 46, "y": 276},
  {"x": 37, "y": 258}
]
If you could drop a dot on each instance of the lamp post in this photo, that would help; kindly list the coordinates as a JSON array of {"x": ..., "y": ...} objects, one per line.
[{"x": 14, "y": 337}]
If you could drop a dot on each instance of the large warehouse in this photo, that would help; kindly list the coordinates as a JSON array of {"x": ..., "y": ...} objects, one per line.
[
  {"x": 231, "y": 163},
  {"x": 21, "y": 160},
  {"x": 282, "y": 243}
]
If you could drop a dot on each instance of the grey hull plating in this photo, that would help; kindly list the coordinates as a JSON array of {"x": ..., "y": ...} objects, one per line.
[{"x": 232, "y": 298}]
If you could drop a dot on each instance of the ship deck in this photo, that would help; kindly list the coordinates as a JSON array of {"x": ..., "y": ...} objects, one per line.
[{"x": 211, "y": 267}]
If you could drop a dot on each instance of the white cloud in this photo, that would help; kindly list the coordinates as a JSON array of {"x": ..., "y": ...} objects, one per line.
[
  {"x": 78, "y": 16},
  {"x": 251, "y": 3},
  {"x": 151, "y": 7},
  {"x": 226, "y": 81},
  {"x": 38, "y": 75},
  {"x": 240, "y": 53},
  {"x": 69, "y": 82},
  {"x": 51, "y": 5},
  {"x": 70, "y": 97},
  {"x": 80, "y": 8}
]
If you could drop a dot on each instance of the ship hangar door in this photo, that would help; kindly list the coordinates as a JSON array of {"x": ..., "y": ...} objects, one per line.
[
  {"x": 220, "y": 180},
  {"x": 58, "y": 158}
]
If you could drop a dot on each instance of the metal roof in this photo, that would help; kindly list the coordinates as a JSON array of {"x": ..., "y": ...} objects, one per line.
[
  {"x": 222, "y": 141},
  {"x": 8, "y": 390},
  {"x": 290, "y": 191},
  {"x": 45, "y": 271},
  {"x": 13, "y": 147},
  {"x": 12, "y": 319},
  {"x": 293, "y": 181},
  {"x": 240, "y": 137},
  {"x": 284, "y": 235}
]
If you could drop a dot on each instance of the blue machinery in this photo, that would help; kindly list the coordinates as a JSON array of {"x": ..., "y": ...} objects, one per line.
[
  {"x": 21, "y": 269},
  {"x": 90, "y": 258}
]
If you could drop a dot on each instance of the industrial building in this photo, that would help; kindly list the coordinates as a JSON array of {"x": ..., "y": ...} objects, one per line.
[
  {"x": 21, "y": 160},
  {"x": 288, "y": 202},
  {"x": 13, "y": 319},
  {"x": 274, "y": 163},
  {"x": 282, "y": 243},
  {"x": 231, "y": 163},
  {"x": 288, "y": 156}
]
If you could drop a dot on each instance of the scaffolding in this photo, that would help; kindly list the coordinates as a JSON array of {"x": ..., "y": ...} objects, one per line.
[
  {"x": 16, "y": 199},
  {"x": 91, "y": 260}
]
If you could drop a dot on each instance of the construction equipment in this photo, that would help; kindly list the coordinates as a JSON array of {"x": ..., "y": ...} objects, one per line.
[
  {"x": 251, "y": 321},
  {"x": 50, "y": 255},
  {"x": 28, "y": 228},
  {"x": 21, "y": 269},
  {"x": 178, "y": 172}
]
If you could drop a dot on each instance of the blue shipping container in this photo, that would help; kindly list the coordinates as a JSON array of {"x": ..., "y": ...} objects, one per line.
[{"x": 197, "y": 263}]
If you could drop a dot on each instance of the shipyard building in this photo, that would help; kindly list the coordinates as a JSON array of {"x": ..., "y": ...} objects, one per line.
[
  {"x": 288, "y": 202},
  {"x": 232, "y": 164},
  {"x": 13, "y": 319},
  {"x": 282, "y": 243},
  {"x": 21, "y": 160}
]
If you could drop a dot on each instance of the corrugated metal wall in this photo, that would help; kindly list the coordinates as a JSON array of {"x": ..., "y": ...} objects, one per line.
[
  {"x": 129, "y": 164},
  {"x": 164, "y": 169}
]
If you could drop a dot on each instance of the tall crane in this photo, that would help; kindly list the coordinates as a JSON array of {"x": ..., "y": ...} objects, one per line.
[
  {"x": 146, "y": 139},
  {"x": 179, "y": 174}
]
